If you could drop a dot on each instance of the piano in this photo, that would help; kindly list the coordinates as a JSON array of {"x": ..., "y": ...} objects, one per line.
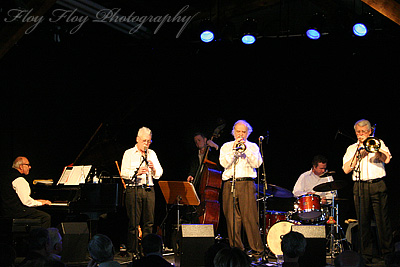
[{"x": 87, "y": 199}]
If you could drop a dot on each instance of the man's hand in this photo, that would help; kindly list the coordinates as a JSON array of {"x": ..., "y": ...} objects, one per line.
[
  {"x": 142, "y": 170},
  {"x": 44, "y": 202},
  {"x": 212, "y": 144},
  {"x": 151, "y": 166}
]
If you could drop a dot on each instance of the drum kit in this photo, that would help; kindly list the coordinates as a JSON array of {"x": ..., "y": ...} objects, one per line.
[{"x": 308, "y": 209}]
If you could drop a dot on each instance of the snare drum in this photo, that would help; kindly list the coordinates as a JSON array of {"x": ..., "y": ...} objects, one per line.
[
  {"x": 274, "y": 236},
  {"x": 309, "y": 206},
  {"x": 272, "y": 217}
]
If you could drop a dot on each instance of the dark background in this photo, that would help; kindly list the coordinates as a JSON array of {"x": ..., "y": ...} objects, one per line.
[{"x": 303, "y": 92}]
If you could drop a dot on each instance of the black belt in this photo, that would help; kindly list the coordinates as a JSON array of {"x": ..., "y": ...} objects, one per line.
[
  {"x": 372, "y": 181},
  {"x": 240, "y": 179}
]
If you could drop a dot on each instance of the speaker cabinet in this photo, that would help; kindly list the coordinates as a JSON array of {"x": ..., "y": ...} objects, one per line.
[
  {"x": 75, "y": 241},
  {"x": 315, "y": 254},
  {"x": 192, "y": 244}
]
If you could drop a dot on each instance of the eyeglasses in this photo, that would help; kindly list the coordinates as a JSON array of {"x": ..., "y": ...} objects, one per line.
[
  {"x": 145, "y": 141},
  {"x": 362, "y": 131},
  {"x": 27, "y": 164}
]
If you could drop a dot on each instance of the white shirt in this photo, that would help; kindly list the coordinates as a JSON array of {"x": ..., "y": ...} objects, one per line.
[
  {"x": 246, "y": 163},
  {"x": 306, "y": 183},
  {"x": 371, "y": 167},
  {"x": 131, "y": 161},
  {"x": 21, "y": 186}
]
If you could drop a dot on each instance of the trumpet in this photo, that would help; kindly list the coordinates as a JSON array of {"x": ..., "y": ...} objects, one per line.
[
  {"x": 372, "y": 144},
  {"x": 240, "y": 147}
]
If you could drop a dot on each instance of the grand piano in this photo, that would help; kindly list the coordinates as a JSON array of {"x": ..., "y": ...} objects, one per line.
[{"x": 84, "y": 202}]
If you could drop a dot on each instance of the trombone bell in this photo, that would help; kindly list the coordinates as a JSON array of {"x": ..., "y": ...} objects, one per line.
[{"x": 372, "y": 144}]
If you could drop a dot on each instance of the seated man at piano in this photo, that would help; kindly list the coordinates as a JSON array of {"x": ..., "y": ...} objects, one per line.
[
  {"x": 308, "y": 180},
  {"x": 15, "y": 191},
  {"x": 140, "y": 166}
]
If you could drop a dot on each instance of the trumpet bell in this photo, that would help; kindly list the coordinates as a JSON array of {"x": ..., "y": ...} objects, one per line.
[
  {"x": 240, "y": 147},
  {"x": 372, "y": 144}
]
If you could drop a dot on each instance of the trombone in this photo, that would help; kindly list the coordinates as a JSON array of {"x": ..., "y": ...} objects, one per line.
[{"x": 372, "y": 144}]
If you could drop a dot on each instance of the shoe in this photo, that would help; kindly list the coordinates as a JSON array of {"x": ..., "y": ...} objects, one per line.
[{"x": 257, "y": 254}]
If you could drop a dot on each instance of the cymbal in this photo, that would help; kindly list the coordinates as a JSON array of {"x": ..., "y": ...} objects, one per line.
[
  {"x": 275, "y": 191},
  {"x": 329, "y": 186},
  {"x": 326, "y": 174}
]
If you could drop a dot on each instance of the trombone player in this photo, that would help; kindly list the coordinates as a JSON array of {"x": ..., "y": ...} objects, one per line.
[{"x": 367, "y": 159}]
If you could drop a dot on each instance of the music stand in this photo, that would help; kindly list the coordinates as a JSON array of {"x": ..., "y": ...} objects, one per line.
[{"x": 179, "y": 193}]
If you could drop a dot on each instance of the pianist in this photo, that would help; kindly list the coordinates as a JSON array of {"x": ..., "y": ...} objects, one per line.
[
  {"x": 139, "y": 167},
  {"x": 15, "y": 191}
]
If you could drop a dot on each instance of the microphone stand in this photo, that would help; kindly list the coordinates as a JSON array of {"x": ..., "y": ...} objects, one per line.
[
  {"x": 134, "y": 180},
  {"x": 357, "y": 176},
  {"x": 233, "y": 191},
  {"x": 264, "y": 199}
]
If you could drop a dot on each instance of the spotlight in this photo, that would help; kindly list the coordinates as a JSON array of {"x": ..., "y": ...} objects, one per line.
[
  {"x": 207, "y": 36},
  {"x": 248, "y": 39},
  {"x": 363, "y": 25},
  {"x": 315, "y": 26},
  {"x": 359, "y": 29},
  {"x": 207, "y": 31},
  {"x": 249, "y": 29},
  {"x": 313, "y": 34}
]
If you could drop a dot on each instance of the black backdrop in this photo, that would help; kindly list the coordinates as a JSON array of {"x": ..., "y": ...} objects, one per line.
[{"x": 54, "y": 97}]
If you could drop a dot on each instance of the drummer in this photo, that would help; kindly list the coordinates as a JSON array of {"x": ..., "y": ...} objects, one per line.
[{"x": 309, "y": 179}]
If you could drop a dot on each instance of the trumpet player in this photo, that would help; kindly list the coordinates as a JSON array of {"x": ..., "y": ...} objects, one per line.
[
  {"x": 367, "y": 159},
  {"x": 240, "y": 158}
]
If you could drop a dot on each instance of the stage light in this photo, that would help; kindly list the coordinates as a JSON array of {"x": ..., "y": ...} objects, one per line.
[
  {"x": 248, "y": 39},
  {"x": 207, "y": 31},
  {"x": 359, "y": 29},
  {"x": 363, "y": 25},
  {"x": 249, "y": 30},
  {"x": 207, "y": 36},
  {"x": 315, "y": 26},
  {"x": 313, "y": 34}
]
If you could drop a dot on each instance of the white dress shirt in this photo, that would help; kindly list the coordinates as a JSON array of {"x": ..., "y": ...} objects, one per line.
[
  {"x": 131, "y": 161},
  {"x": 21, "y": 186},
  {"x": 371, "y": 167},
  {"x": 246, "y": 163},
  {"x": 306, "y": 183}
]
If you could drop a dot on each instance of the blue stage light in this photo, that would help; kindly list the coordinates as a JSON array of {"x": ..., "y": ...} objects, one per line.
[
  {"x": 248, "y": 39},
  {"x": 207, "y": 36},
  {"x": 360, "y": 29},
  {"x": 313, "y": 34}
]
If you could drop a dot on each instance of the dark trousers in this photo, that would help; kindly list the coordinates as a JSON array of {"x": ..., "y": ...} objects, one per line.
[
  {"x": 245, "y": 213},
  {"x": 144, "y": 210},
  {"x": 374, "y": 201},
  {"x": 32, "y": 213}
]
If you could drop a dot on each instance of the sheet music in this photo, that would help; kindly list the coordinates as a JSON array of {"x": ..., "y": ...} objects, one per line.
[{"x": 74, "y": 175}]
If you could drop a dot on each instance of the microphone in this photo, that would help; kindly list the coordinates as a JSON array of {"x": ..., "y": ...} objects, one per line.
[
  {"x": 338, "y": 132},
  {"x": 261, "y": 138}
]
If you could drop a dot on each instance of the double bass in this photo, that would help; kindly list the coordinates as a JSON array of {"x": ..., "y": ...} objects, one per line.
[{"x": 208, "y": 180}]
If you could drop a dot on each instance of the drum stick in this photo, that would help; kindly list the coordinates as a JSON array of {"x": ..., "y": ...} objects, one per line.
[{"x": 119, "y": 171}]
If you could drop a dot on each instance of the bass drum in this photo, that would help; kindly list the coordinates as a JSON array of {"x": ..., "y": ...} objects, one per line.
[{"x": 274, "y": 240}]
